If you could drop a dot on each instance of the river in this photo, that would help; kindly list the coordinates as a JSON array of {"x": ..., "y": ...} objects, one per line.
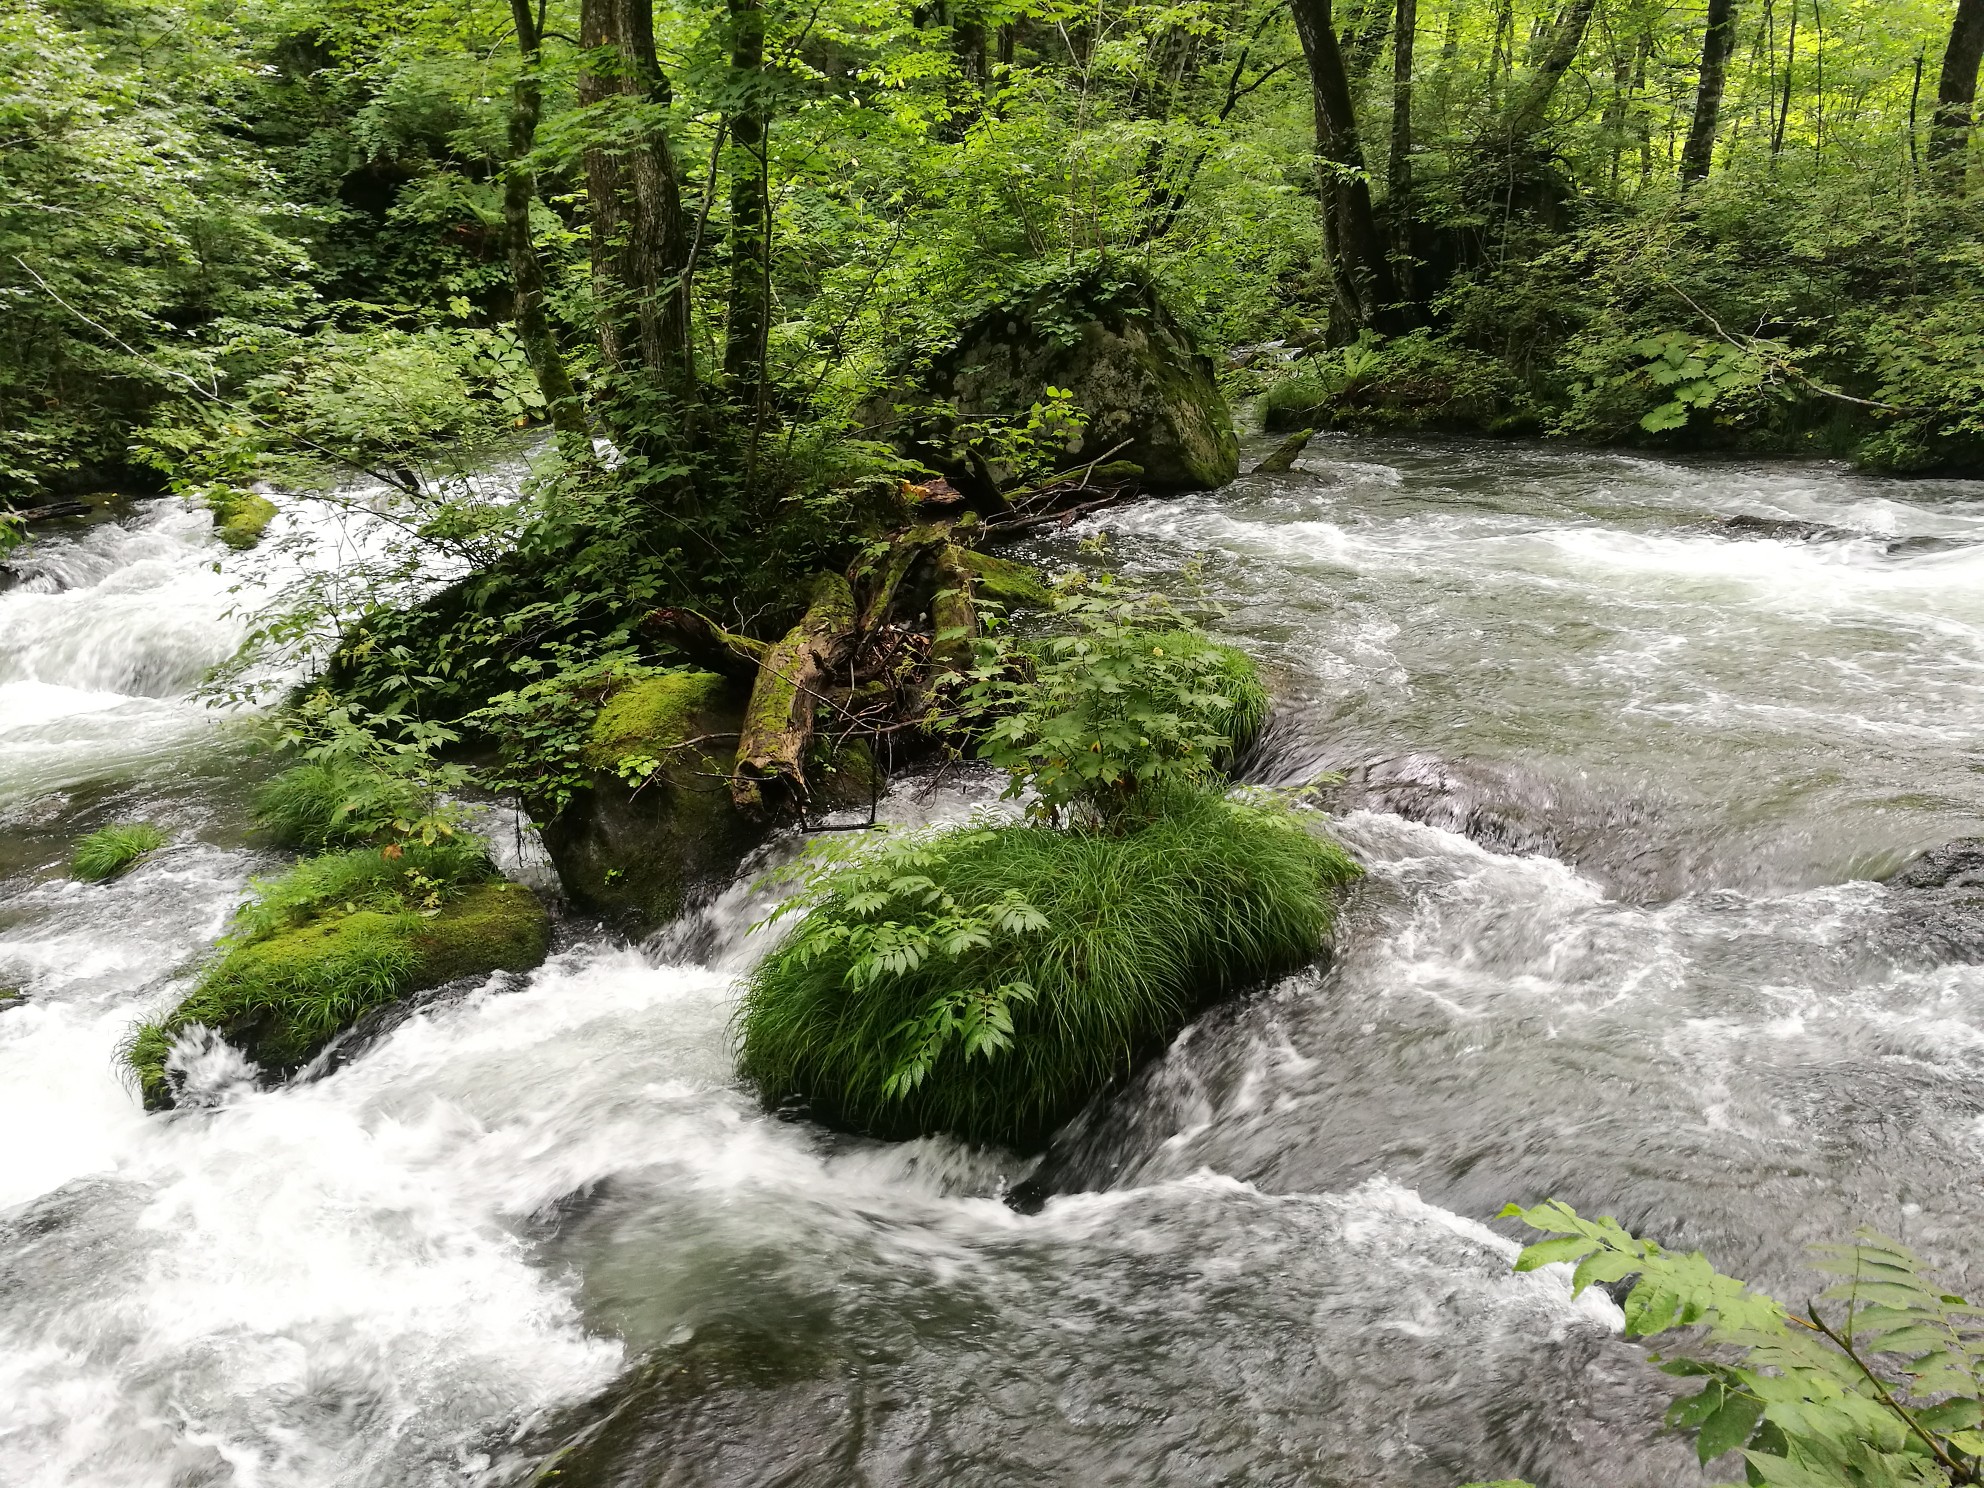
[{"x": 1623, "y": 774}]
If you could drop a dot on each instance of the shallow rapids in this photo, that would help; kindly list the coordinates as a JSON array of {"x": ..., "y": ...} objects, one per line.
[{"x": 1621, "y": 771}]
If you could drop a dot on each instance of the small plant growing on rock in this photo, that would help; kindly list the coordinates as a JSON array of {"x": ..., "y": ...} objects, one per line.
[{"x": 113, "y": 851}]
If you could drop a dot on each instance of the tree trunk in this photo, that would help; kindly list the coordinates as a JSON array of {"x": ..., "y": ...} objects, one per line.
[
  {"x": 1399, "y": 175},
  {"x": 1363, "y": 280},
  {"x": 1956, "y": 92},
  {"x": 1554, "y": 54},
  {"x": 640, "y": 241},
  {"x": 561, "y": 399},
  {"x": 779, "y": 721},
  {"x": 750, "y": 257},
  {"x": 1718, "y": 45}
]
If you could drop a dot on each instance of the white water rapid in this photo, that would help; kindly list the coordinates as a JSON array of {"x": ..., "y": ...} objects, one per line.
[{"x": 1619, "y": 772}]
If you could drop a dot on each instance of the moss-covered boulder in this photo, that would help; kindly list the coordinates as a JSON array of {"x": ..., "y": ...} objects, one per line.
[
  {"x": 280, "y": 992},
  {"x": 1146, "y": 390},
  {"x": 241, "y": 517},
  {"x": 656, "y": 828}
]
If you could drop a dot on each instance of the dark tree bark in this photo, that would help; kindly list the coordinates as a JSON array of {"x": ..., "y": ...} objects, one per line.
[
  {"x": 554, "y": 382},
  {"x": 1718, "y": 45},
  {"x": 1956, "y": 92},
  {"x": 1399, "y": 175},
  {"x": 750, "y": 225},
  {"x": 640, "y": 240},
  {"x": 1554, "y": 54},
  {"x": 1784, "y": 100},
  {"x": 1362, "y": 275}
]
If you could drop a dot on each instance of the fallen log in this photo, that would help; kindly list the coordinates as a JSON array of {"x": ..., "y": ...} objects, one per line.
[
  {"x": 780, "y": 718},
  {"x": 1281, "y": 459},
  {"x": 44, "y": 513},
  {"x": 707, "y": 643}
]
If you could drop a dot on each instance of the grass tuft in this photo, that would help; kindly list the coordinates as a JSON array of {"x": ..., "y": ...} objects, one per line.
[
  {"x": 334, "y": 802},
  {"x": 1140, "y": 931},
  {"x": 111, "y": 851}
]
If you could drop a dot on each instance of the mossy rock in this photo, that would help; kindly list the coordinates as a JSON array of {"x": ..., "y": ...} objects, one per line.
[
  {"x": 241, "y": 517},
  {"x": 1018, "y": 585},
  {"x": 1148, "y": 394},
  {"x": 638, "y": 856},
  {"x": 281, "y": 998}
]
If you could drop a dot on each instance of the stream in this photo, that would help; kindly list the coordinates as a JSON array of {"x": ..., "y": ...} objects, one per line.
[{"x": 1624, "y": 774}]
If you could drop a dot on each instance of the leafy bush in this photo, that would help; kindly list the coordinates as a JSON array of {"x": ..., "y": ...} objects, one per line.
[
  {"x": 1105, "y": 721},
  {"x": 1883, "y": 1390},
  {"x": 989, "y": 981},
  {"x": 111, "y": 851}
]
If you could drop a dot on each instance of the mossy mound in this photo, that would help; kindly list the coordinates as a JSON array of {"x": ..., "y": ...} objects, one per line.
[
  {"x": 1140, "y": 931},
  {"x": 636, "y": 854},
  {"x": 241, "y": 517},
  {"x": 651, "y": 716},
  {"x": 304, "y": 963}
]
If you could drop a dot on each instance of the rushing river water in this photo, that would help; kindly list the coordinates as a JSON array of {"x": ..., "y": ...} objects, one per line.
[{"x": 1621, "y": 771}]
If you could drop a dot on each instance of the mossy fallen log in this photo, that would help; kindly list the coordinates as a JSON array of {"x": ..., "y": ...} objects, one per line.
[
  {"x": 779, "y": 720},
  {"x": 1281, "y": 459},
  {"x": 280, "y": 992}
]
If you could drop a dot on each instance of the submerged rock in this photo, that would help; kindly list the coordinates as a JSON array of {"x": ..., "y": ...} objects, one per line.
[
  {"x": 656, "y": 827},
  {"x": 1938, "y": 905},
  {"x": 1146, "y": 391}
]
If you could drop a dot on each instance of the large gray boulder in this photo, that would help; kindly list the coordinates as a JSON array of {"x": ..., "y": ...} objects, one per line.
[{"x": 1134, "y": 371}]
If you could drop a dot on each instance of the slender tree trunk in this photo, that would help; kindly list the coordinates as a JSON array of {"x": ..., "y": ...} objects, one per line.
[
  {"x": 750, "y": 258},
  {"x": 1784, "y": 99},
  {"x": 1399, "y": 174},
  {"x": 1555, "y": 53},
  {"x": 640, "y": 240},
  {"x": 1363, "y": 280},
  {"x": 554, "y": 382},
  {"x": 1718, "y": 45},
  {"x": 1956, "y": 92}
]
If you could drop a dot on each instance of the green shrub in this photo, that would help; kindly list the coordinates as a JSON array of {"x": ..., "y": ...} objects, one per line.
[
  {"x": 111, "y": 851},
  {"x": 1885, "y": 1389},
  {"x": 337, "y": 801},
  {"x": 989, "y": 981},
  {"x": 1103, "y": 722}
]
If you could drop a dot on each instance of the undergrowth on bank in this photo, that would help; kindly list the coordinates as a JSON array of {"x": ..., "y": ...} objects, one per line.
[
  {"x": 112, "y": 851},
  {"x": 1878, "y": 1382}
]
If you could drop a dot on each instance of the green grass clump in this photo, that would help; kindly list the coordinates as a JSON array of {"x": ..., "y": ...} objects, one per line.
[
  {"x": 413, "y": 875},
  {"x": 988, "y": 983},
  {"x": 335, "y": 802},
  {"x": 111, "y": 851}
]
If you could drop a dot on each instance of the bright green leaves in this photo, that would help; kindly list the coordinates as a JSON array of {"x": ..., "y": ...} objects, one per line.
[
  {"x": 1098, "y": 722},
  {"x": 1696, "y": 374},
  {"x": 1888, "y": 1393},
  {"x": 894, "y": 920}
]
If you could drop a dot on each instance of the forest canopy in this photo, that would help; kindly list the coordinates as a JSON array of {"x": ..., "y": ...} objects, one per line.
[{"x": 236, "y": 230}]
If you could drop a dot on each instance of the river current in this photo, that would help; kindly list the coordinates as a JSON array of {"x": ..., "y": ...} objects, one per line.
[{"x": 1623, "y": 773}]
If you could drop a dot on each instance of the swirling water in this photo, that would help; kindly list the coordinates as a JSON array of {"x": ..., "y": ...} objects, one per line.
[{"x": 1621, "y": 773}]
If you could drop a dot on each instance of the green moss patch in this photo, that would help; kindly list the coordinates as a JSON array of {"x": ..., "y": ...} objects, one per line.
[
  {"x": 649, "y": 716},
  {"x": 338, "y": 936},
  {"x": 989, "y": 983},
  {"x": 241, "y": 517},
  {"x": 111, "y": 851},
  {"x": 1008, "y": 582}
]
